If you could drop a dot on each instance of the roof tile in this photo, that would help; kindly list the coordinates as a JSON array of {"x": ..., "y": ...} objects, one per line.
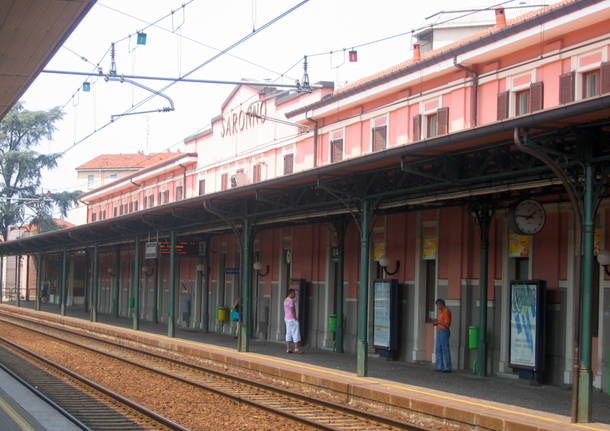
[{"x": 121, "y": 161}]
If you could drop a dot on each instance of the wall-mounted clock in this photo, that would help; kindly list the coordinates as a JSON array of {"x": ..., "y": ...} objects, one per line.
[{"x": 528, "y": 217}]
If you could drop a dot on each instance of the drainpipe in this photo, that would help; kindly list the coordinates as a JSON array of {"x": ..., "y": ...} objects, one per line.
[
  {"x": 474, "y": 98},
  {"x": 578, "y": 218}
]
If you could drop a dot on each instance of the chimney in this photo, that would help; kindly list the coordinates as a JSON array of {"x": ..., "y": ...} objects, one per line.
[
  {"x": 416, "y": 52},
  {"x": 500, "y": 17}
]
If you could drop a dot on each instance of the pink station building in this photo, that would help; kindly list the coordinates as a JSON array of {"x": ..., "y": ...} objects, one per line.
[{"x": 445, "y": 173}]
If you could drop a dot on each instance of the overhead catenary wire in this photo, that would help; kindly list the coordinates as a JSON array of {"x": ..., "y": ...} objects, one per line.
[
  {"x": 206, "y": 62},
  {"x": 190, "y": 39}
]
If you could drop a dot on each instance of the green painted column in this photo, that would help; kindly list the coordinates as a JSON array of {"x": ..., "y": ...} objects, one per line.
[
  {"x": 584, "y": 371},
  {"x": 246, "y": 287},
  {"x": 38, "y": 280},
  {"x": 18, "y": 280},
  {"x": 171, "y": 304},
  {"x": 363, "y": 292},
  {"x": 116, "y": 283},
  {"x": 205, "y": 303},
  {"x": 340, "y": 294},
  {"x": 155, "y": 313},
  {"x": 94, "y": 283},
  {"x": 64, "y": 283},
  {"x": 87, "y": 293},
  {"x": 484, "y": 224},
  {"x": 135, "y": 285}
]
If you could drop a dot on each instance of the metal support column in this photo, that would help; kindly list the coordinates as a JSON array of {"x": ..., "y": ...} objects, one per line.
[
  {"x": 27, "y": 278},
  {"x": 38, "y": 280},
  {"x": 116, "y": 283},
  {"x": 94, "y": 283},
  {"x": 483, "y": 214},
  {"x": 17, "y": 280},
  {"x": 135, "y": 285},
  {"x": 246, "y": 287},
  {"x": 205, "y": 296},
  {"x": 171, "y": 304},
  {"x": 584, "y": 369},
  {"x": 363, "y": 292},
  {"x": 88, "y": 282},
  {"x": 340, "y": 228},
  {"x": 64, "y": 283},
  {"x": 155, "y": 313}
]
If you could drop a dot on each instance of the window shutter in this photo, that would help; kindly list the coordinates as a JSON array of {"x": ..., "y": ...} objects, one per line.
[
  {"x": 605, "y": 77},
  {"x": 566, "y": 88},
  {"x": 256, "y": 173},
  {"x": 379, "y": 138},
  {"x": 503, "y": 105},
  {"x": 178, "y": 193},
  {"x": 417, "y": 127},
  {"x": 288, "y": 164},
  {"x": 201, "y": 187},
  {"x": 336, "y": 150},
  {"x": 443, "y": 121},
  {"x": 536, "y": 96}
]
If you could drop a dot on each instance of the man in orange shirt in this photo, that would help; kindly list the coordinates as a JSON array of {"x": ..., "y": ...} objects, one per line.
[{"x": 443, "y": 354}]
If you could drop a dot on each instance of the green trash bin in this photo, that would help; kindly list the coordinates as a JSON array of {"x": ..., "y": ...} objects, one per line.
[
  {"x": 332, "y": 323},
  {"x": 131, "y": 303},
  {"x": 473, "y": 337}
]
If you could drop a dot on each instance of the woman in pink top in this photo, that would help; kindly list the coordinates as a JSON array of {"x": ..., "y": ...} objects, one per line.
[{"x": 293, "y": 334}]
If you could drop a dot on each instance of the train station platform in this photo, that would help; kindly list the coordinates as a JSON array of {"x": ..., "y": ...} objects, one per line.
[
  {"x": 458, "y": 399},
  {"x": 22, "y": 410}
]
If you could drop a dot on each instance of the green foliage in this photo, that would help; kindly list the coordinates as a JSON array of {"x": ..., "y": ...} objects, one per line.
[{"x": 20, "y": 169}]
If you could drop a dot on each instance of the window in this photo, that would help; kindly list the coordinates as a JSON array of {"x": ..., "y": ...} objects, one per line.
[
  {"x": 135, "y": 205},
  {"x": 224, "y": 181},
  {"x": 115, "y": 211},
  {"x": 149, "y": 201},
  {"x": 103, "y": 215},
  {"x": 379, "y": 134},
  {"x": 93, "y": 217},
  {"x": 336, "y": 147},
  {"x": 90, "y": 181},
  {"x": 288, "y": 164},
  {"x": 165, "y": 196},
  {"x": 256, "y": 173},
  {"x": 201, "y": 187},
  {"x": 590, "y": 84},
  {"x": 130, "y": 207},
  {"x": 522, "y": 102},
  {"x": 113, "y": 177},
  {"x": 178, "y": 193}
]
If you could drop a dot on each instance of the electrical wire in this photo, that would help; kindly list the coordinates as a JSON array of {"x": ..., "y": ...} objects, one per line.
[
  {"x": 206, "y": 62},
  {"x": 190, "y": 39}
]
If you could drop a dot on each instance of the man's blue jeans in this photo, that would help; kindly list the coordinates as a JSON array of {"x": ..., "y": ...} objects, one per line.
[{"x": 443, "y": 354}]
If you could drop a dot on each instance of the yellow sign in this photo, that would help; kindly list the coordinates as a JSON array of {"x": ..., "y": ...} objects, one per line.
[
  {"x": 378, "y": 250},
  {"x": 518, "y": 245},
  {"x": 430, "y": 248}
]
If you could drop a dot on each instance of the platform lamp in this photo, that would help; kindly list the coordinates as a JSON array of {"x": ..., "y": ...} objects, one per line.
[
  {"x": 603, "y": 257},
  {"x": 383, "y": 263},
  {"x": 257, "y": 267}
]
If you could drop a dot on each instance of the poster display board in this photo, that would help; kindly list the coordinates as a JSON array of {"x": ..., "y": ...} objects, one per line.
[
  {"x": 385, "y": 317},
  {"x": 527, "y": 324}
]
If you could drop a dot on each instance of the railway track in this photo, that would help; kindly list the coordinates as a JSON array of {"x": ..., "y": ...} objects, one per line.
[
  {"x": 88, "y": 405},
  {"x": 320, "y": 414}
]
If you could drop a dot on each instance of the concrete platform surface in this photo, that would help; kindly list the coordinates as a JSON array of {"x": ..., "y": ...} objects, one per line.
[
  {"x": 21, "y": 410},
  {"x": 483, "y": 403}
]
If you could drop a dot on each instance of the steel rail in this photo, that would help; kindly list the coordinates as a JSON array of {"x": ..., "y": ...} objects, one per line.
[
  {"x": 114, "y": 395},
  {"x": 363, "y": 416}
]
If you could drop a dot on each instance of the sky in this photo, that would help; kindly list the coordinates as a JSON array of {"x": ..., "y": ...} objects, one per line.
[{"x": 188, "y": 33}]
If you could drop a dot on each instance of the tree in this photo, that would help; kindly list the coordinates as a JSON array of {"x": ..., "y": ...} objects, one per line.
[{"x": 20, "y": 169}]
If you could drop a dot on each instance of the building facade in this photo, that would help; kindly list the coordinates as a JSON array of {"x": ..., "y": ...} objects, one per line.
[{"x": 433, "y": 137}]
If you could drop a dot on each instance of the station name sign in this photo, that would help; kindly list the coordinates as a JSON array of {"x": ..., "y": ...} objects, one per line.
[{"x": 237, "y": 122}]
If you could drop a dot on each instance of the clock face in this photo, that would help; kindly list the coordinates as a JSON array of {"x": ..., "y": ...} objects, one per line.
[{"x": 528, "y": 217}]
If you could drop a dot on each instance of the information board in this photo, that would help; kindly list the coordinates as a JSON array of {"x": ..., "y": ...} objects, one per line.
[
  {"x": 381, "y": 336},
  {"x": 526, "y": 324}
]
